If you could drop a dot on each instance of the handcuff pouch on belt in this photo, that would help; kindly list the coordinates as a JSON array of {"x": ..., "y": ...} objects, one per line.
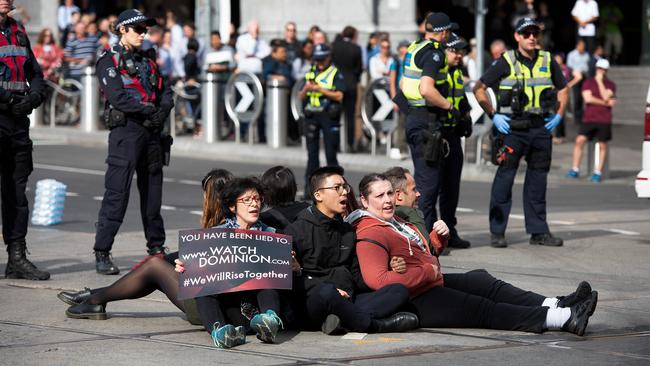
[
  {"x": 166, "y": 141},
  {"x": 114, "y": 118},
  {"x": 435, "y": 147}
]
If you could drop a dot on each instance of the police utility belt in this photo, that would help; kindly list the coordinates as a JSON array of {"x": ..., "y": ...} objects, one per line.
[{"x": 115, "y": 118}]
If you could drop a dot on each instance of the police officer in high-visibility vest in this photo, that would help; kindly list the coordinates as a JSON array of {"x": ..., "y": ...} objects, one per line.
[
  {"x": 137, "y": 104},
  {"x": 322, "y": 96},
  {"x": 425, "y": 88},
  {"x": 453, "y": 128},
  {"x": 532, "y": 97},
  {"x": 21, "y": 90}
]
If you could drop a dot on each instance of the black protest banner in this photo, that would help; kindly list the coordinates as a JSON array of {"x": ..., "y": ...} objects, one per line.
[{"x": 229, "y": 260}]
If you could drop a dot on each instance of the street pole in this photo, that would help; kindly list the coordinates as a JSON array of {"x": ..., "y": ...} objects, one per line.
[{"x": 479, "y": 25}]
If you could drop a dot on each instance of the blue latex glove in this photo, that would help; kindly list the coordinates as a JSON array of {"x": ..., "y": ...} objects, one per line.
[
  {"x": 552, "y": 121},
  {"x": 501, "y": 123}
]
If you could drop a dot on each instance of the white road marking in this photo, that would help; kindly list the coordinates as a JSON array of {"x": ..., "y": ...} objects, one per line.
[
  {"x": 622, "y": 232},
  {"x": 354, "y": 336},
  {"x": 69, "y": 169},
  {"x": 518, "y": 217},
  {"x": 561, "y": 222},
  {"x": 168, "y": 208},
  {"x": 71, "y": 194},
  {"x": 190, "y": 182},
  {"x": 463, "y": 209},
  {"x": 98, "y": 198},
  {"x": 196, "y": 213}
]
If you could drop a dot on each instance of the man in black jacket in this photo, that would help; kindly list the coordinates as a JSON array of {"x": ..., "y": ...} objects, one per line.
[
  {"x": 325, "y": 247},
  {"x": 346, "y": 55}
]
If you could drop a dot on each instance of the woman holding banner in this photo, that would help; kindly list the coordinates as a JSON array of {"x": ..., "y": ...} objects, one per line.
[{"x": 153, "y": 274}]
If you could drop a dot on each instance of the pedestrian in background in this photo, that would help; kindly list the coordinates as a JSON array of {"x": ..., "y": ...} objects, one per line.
[
  {"x": 585, "y": 13},
  {"x": 599, "y": 94}
]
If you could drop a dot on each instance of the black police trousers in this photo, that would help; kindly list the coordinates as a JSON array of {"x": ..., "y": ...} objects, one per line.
[
  {"x": 357, "y": 315},
  {"x": 15, "y": 166},
  {"x": 478, "y": 300},
  {"x": 132, "y": 148},
  {"x": 321, "y": 121},
  {"x": 535, "y": 146},
  {"x": 441, "y": 179}
]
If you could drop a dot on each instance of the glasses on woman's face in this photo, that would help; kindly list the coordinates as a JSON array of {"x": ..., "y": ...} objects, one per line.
[
  {"x": 339, "y": 188},
  {"x": 139, "y": 29},
  {"x": 248, "y": 200}
]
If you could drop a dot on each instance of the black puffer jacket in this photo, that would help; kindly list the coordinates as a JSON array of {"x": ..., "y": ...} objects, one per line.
[{"x": 324, "y": 248}]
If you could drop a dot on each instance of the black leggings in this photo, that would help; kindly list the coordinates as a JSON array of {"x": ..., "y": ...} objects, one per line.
[
  {"x": 211, "y": 308},
  {"x": 325, "y": 299},
  {"x": 477, "y": 300}
]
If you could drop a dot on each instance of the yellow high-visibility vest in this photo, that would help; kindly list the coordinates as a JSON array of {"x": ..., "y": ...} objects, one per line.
[
  {"x": 456, "y": 91},
  {"x": 533, "y": 82},
  {"x": 412, "y": 73},
  {"x": 325, "y": 80}
]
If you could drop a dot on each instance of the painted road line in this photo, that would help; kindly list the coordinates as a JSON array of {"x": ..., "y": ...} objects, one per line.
[
  {"x": 71, "y": 194},
  {"x": 190, "y": 182},
  {"x": 622, "y": 232},
  {"x": 518, "y": 217},
  {"x": 196, "y": 213},
  {"x": 464, "y": 209},
  {"x": 98, "y": 198},
  {"x": 69, "y": 169},
  {"x": 169, "y": 180},
  {"x": 561, "y": 222},
  {"x": 354, "y": 336},
  {"x": 168, "y": 208}
]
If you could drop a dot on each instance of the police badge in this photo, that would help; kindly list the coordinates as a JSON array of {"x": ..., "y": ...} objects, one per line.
[
  {"x": 111, "y": 72},
  {"x": 436, "y": 57}
]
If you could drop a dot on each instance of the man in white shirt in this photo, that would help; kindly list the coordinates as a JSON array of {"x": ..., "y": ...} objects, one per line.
[
  {"x": 65, "y": 14},
  {"x": 585, "y": 13},
  {"x": 251, "y": 49}
]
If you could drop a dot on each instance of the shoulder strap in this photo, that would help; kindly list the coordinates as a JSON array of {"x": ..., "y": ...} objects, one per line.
[{"x": 372, "y": 241}]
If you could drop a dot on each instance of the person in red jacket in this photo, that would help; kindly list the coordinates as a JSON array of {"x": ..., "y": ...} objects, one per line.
[{"x": 391, "y": 250}]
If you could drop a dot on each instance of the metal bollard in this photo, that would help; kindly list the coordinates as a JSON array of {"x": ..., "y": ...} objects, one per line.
[
  {"x": 36, "y": 117},
  {"x": 89, "y": 100},
  {"x": 277, "y": 112},
  {"x": 211, "y": 107},
  {"x": 593, "y": 159}
]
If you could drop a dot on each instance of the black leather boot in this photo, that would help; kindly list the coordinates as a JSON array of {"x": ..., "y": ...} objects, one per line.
[
  {"x": 583, "y": 291},
  {"x": 74, "y": 298},
  {"x": 18, "y": 266},
  {"x": 577, "y": 323},
  {"x": 103, "y": 263},
  {"x": 87, "y": 311},
  {"x": 399, "y": 322}
]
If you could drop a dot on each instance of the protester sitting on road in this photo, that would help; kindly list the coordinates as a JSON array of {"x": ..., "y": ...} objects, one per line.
[
  {"x": 281, "y": 208},
  {"x": 241, "y": 201},
  {"x": 325, "y": 288},
  {"x": 154, "y": 274},
  {"x": 391, "y": 251}
]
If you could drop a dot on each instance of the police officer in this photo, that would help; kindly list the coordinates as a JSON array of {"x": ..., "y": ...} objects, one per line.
[
  {"x": 21, "y": 90},
  {"x": 137, "y": 104},
  {"x": 425, "y": 86},
  {"x": 323, "y": 94},
  {"x": 532, "y": 97}
]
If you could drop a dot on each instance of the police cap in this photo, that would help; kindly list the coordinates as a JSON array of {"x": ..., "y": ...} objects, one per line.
[
  {"x": 321, "y": 52},
  {"x": 439, "y": 22},
  {"x": 456, "y": 42},
  {"x": 525, "y": 23},
  {"x": 133, "y": 16}
]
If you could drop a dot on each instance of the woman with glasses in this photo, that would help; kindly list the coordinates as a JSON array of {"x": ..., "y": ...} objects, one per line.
[
  {"x": 392, "y": 251},
  {"x": 155, "y": 273},
  {"x": 137, "y": 105},
  {"x": 241, "y": 202}
]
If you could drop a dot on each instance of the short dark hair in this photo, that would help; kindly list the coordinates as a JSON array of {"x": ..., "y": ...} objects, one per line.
[
  {"x": 235, "y": 188},
  {"x": 397, "y": 177},
  {"x": 318, "y": 176},
  {"x": 367, "y": 180},
  {"x": 349, "y": 31},
  {"x": 280, "y": 186},
  {"x": 192, "y": 44},
  {"x": 215, "y": 33}
]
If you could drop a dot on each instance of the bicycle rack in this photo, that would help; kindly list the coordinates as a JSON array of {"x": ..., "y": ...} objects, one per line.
[
  {"x": 178, "y": 92},
  {"x": 59, "y": 90}
]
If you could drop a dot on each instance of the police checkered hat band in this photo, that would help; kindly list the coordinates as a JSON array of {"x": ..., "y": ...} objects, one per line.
[
  {"x": 526, "y": 23},
  {"x": 456, "y": 42},
  {"x": 133, "y": 16},
  {"x": 439, "y": 22}
]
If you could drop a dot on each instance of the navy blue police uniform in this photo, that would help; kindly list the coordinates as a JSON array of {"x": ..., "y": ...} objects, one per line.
[
  {"x": 322, "y": 114},
  {"x": 532, "y": 141},
  {"x": 137, "y": 103},
  {"x": 21, "y": 90}
]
